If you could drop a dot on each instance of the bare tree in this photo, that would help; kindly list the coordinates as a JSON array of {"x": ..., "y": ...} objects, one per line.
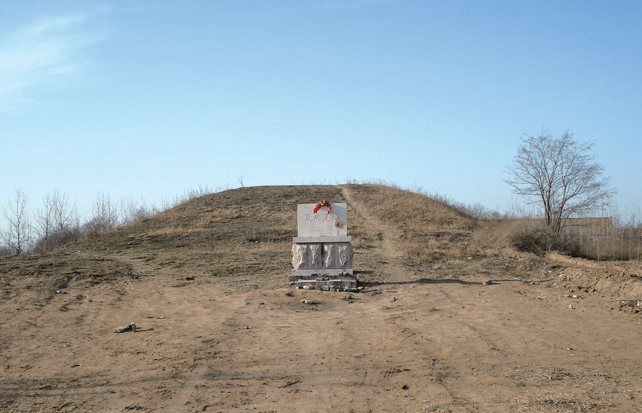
[
  {"x": 559, "y": 174},
  {"x": 64, "y": 215},
  {"x": 56, "y": 221},
  {"x": 18, "y": 235},
  {"x": 104, "y": 213},
  {"x": 131, "y": 211},
  {"x": 44, "y": 223}
]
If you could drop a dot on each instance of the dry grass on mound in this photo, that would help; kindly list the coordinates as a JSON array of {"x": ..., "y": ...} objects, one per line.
[
  {"x": 423, "y": 229},
  {"x": 410, "y": 211},
  {"x": 243, "y": 238}
]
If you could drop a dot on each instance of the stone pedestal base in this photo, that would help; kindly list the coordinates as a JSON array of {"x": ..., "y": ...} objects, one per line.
[
  {"x": 339, "y": 282},
  {"x": 323, "y": 263}
]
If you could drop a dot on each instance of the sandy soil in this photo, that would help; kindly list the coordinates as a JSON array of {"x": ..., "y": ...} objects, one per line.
[
  {"x": 452, "y": 345},
  {"x": 565, "y": 341}
]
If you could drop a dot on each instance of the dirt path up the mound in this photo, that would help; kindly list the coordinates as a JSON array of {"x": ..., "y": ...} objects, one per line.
[{"x": 384, "y": 249}]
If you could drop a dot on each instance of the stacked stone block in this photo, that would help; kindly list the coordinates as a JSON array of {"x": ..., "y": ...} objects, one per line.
[{"x": 322, "y": 253}]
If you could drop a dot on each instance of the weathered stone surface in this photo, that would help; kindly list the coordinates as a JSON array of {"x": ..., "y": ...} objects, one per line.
[
  {"x": 316, "y": 240},
  {"x": 337, "y": 255},
  {"x": 322, "y": 271},
  {"x": 299, "y": 256},
  {"x": 322, "y": 254},
  {"x": 322, "y": 224},
  {"x": 345, "y": 256},
  {"x": 338, "y": 282},
  {"x": 315, "y": 256},
  {"x": 329, "y": 255}
]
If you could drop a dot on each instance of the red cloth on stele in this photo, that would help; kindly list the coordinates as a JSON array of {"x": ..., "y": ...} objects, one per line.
[{"x": 318, "y": 206}]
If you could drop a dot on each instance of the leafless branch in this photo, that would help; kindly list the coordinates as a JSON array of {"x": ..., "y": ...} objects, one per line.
[{"x": 561, "y": 175}]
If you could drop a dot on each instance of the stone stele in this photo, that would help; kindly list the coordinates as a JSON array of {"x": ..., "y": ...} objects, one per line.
[
  {"x": 322, "y": 224},
  {"x": 322, "y": 253}
]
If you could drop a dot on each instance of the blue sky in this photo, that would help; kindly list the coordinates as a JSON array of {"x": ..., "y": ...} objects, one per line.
[{"x": 146, "y": 99}]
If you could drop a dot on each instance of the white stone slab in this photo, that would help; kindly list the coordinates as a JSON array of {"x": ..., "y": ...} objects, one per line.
[
  {"x": 323, "y": 271},
  {"x": 320, "y": 240},
  {"x": 322, "y": 224}
]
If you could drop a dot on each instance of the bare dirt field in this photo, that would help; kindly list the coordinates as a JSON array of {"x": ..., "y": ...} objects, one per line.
[{"x": 219, "y": 331}]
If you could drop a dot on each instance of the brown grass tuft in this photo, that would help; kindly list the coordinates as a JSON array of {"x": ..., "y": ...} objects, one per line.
[{"x": 521, "y": 234}]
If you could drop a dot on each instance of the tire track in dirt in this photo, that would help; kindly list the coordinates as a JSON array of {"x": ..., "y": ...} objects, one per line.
[
  {"x": 418, "y": 355},
  {"x": 391, "y": 266},
  {"x": 414, "y": 358}
]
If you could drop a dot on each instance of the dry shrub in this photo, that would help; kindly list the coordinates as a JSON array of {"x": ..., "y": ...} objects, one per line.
[
  {"x": 539, "y": 240},
  {"x": 494, "y": 234},
  {"x": 522, "y": 234},
  {"x": 532, "y": 235}
]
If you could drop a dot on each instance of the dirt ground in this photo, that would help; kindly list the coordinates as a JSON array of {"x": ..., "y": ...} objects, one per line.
[{"x": 562, "y": 338}]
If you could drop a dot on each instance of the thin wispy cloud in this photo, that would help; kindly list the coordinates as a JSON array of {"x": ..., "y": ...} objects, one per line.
[
  {"x": 339, "y": 4},
  {"x": 42, "y": 54}
]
